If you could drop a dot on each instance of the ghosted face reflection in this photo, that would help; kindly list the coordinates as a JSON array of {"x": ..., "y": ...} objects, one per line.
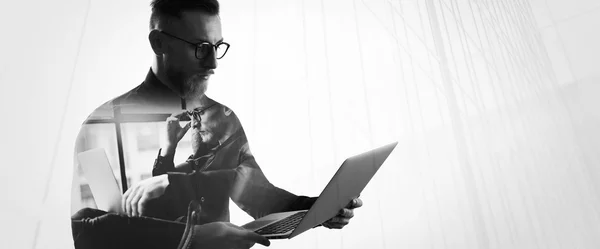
[{"x": 208, "y": 124}]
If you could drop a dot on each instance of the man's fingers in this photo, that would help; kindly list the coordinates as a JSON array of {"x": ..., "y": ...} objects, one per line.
[
  {"x": 254, "y": 237},
  {"x": 336, "y": 222},
  {"x": 176, "y": 118},
  {"x": 134, "y": 203},
  {"x": 179, "y": 115},
  {"x": 141, "y": 206},
  {"x": 343, "y": 221},
  {"x": 172, "y": 122},
  {"x": 185, "y": 128},
  {"x": 348, "y": 213},
  {"x": 126, "y": 199},
  {"x": 339, "y": 220},
  {"x": 332, "y": 225},
  {"x": 355, "y": 203},
  {"x": 129, "y": 200},
  {"x": 336, "y": 226}
]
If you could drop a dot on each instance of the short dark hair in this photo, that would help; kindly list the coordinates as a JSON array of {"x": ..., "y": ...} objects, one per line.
[{"x": 164, "y": 9}]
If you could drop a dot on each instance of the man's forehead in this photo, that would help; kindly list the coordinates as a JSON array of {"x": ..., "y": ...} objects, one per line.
[{"x": 198, "y": 26}]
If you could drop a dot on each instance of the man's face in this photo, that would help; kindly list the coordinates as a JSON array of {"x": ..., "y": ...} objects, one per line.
[
  {"x": 208, "y": 126},
  {"x": 183, "y": 69}
]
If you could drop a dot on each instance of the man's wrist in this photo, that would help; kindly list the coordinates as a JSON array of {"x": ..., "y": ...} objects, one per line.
[{"x": 169, "y": 151}]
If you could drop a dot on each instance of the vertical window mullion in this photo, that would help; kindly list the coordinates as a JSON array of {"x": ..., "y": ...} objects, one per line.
[{"x": 117, "y": 116}]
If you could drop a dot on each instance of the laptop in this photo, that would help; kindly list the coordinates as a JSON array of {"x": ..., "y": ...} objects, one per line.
[
  {"x": 99, "y": 174},
  {"x": 347, "y": 184}
]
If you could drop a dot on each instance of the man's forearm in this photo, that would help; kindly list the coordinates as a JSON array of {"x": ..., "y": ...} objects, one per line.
[{"x": 169, "y": 152}]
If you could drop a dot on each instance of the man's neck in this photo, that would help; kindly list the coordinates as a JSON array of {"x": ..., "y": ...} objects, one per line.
[{"x": 160, "y": 74}]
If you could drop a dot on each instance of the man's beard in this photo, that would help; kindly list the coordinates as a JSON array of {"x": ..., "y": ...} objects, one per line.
[
  {"x": 196, "y": 140},
  {"x": 194, "y": 87},
  {"x": 190, "y": 88}
]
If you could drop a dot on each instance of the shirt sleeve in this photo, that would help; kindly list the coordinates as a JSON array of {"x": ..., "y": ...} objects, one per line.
[
  {"x": 211, "y": 188},
  {"x": 162, "y": 165},
  {"x": 173, "y": 203},
  {"x": 254, "y": 194}
]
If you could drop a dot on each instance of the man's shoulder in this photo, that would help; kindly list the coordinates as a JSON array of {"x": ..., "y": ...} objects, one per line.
[
  {"x": 137, "y": 101},
  {"x": 106, "y": 109}
]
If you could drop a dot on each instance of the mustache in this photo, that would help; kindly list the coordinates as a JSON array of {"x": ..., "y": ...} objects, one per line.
[{"x": 207, "y": 72}]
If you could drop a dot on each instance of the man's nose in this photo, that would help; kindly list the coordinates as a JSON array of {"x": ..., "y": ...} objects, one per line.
[{"x": 210, "y": 61}]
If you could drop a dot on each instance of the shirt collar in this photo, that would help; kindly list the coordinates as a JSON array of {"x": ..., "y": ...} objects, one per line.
[
  {"x": 235, "y": 136},
  {"x": 153, "y": 82}
]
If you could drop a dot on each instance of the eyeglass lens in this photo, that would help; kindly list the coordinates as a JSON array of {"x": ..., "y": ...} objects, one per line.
[{"x": 206, "y": 48}]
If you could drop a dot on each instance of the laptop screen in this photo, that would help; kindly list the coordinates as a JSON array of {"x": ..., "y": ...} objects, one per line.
[
  {"x": 99, "y": 175},
  {"x": 347, "y": 183}
]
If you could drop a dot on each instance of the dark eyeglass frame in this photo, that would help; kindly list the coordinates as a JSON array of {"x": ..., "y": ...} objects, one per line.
[
  {"x": 199, "y": 46},
  {"x": 196, "y": 114}
]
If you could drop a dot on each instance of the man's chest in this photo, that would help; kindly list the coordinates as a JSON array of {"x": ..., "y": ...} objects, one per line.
[{"x": 221, "y": 160}]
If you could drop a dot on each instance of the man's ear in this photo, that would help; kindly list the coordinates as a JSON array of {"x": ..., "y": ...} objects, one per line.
[
  {"x": 227, "y": 111},
  {"x": 156, "y": 42}
]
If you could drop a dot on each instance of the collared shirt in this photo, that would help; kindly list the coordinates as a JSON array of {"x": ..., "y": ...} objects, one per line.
[{"x": 227, "y": 171}]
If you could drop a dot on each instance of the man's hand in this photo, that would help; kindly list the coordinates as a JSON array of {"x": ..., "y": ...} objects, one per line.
[
  {"x": 135, "y": 198},
  {"x": 174, "y": 130},
  {"x": 344, "y": 216},
  {"x": 225, "y": 235}
]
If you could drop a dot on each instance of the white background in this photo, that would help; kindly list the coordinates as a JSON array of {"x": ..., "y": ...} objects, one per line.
[{"x": 314, "y": 82}]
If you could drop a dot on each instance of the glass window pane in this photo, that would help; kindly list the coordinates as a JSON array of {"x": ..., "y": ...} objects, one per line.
[
  {"x": 141, "y": 142},
  {"x": 94, "y": 136}
]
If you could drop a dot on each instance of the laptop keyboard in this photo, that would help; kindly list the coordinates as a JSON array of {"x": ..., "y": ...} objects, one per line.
[{"x": 283, "y": 226}]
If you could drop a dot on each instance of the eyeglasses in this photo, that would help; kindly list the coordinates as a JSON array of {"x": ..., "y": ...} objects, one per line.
[
  {"x": 196, "y": 114},
  {"x": 204, "y": 48}
]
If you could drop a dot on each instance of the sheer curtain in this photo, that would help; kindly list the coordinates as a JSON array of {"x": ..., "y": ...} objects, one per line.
[
  {"x": 490, "y": 153},
  {"x": 488, "y": 157}
]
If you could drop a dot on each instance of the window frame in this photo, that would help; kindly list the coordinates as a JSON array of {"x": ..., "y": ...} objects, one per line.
[{"x": 117, "y": 120}]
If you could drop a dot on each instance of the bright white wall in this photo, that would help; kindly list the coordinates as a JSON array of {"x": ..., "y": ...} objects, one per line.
[{"x": 314, "y": 82}]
